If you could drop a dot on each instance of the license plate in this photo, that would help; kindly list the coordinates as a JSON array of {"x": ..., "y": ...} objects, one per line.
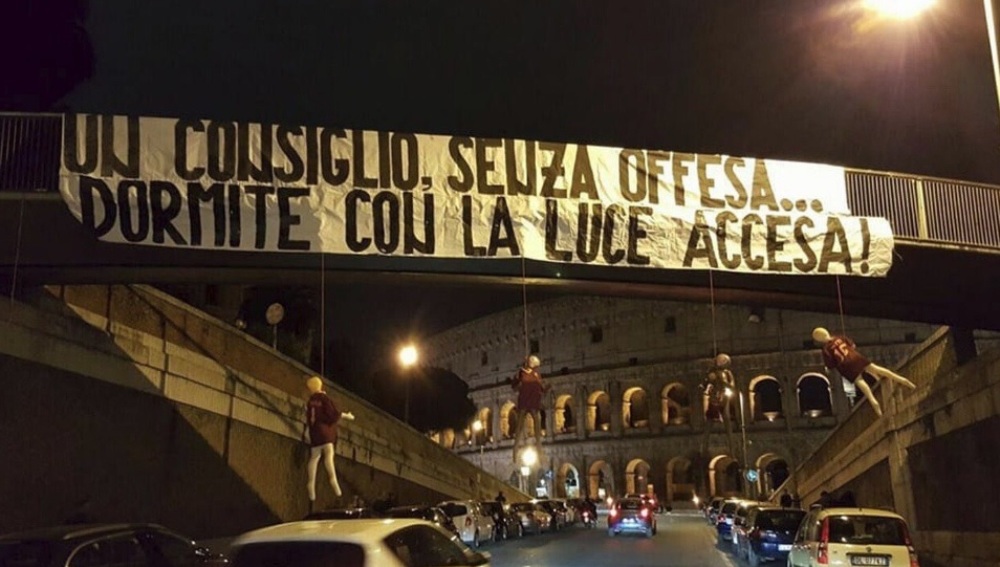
[
  {"x": 869, "y": 560},
  {"x": 784, "y": 547}
]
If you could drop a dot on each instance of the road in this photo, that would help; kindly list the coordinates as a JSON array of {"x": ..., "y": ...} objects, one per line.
[{"x": 683, "y": 540}]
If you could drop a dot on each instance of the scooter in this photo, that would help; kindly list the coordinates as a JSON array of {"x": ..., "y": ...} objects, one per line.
[{"x": 588, "y": 519}]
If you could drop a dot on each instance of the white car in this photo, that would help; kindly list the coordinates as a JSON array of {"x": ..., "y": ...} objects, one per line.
[
  {"x": 353, "y": 543},
  {"x": 839, "y": 537},
  {"x": 474, "y": 524}
]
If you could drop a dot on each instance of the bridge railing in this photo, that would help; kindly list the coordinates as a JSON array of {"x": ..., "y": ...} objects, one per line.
[{"x": 922, "y": 210}]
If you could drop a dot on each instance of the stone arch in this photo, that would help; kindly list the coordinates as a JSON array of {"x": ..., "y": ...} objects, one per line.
[
  {"x": 680, "y": 479},
  {"x": 565, "y": 416},
  {"x": 600, "y": 476},
  {"x": 635, "y": 408},
  {"x": 599, "y": 411},
  {"x": 448, "y": 438},
  {"x": 508, "y": 420},
  {"x": 774, "y": 470},
  {"x": 813, "y": 392},
  {"x": 724, "y": 476},
  {"x": 568, "y": 482},
  {"x": 636, "y": 476},
  {"x": 675, "y": 404},
  {"x": 765, "y": 399},
  {"x": 485, "y": 419}
]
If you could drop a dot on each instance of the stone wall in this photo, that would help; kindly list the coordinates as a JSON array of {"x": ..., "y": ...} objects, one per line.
[
  {"x": 933, "y": 457},
  {"x": 121, "y": 403}
]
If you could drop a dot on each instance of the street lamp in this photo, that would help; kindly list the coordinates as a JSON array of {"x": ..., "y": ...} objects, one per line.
[
  {"x": 407, "y": 358},
  {"x": 743, "y": 431},
  {"x": 906, "y": 9}
]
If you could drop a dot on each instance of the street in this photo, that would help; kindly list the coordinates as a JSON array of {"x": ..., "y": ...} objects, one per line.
[{"x": 683, "y": 539}]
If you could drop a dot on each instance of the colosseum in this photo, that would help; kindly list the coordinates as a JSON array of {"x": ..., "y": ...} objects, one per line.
[{"x": 625, "y": 411}]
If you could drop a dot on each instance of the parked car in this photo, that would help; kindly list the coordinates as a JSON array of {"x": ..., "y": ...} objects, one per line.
[
  {"x": 739, "y": 520},
  {"x": 534, "y": 519},
  {"x": 100, "y": 545},
  {"x": 432, "y": 514},
  {"x": 343, "y": 514},
  {"x": 554, "y": 509},
  {"x": 852, "y": 536},
  {"x": 767, "y": 534},
  {"x": 506, "y": 524},
  {"x": 724, "y": 521},
  {"x": 631, "y": 515},
  {"x": 354, "y": 543},
  {"x": 712, "y": 510},
  {"x": 474, "y": 525}
]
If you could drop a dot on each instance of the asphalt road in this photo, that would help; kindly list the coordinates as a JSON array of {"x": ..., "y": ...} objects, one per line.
[{"x": 683, "y": 539}]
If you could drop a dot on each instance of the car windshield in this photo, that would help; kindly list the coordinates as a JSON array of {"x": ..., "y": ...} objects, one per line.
[
  {"x": 867, "y": 530},
  {"x": 491, "y": 507},
  {"x": 780, "y": 520},
  {"x": 455, "y": 509},
  {"x": 630, "y": 504},
  {"x": 300, "y": 554},
  {"x": 421, "y": 513},
  {"x": 729, "y": 507},
  {"x": 522, "y": 507},
  {"x": 24, "y": 553}
]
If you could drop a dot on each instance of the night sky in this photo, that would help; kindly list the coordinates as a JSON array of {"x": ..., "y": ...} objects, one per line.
[{"x": 819, "y": 81}]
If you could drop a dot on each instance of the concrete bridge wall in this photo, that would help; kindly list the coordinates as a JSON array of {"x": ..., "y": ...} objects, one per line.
[
  {"x": 121, "y": 403},
  {"x": 934, "y": 457}
]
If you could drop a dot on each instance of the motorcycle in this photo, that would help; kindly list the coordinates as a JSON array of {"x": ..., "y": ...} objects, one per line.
[{"x": 589, "y": 521}]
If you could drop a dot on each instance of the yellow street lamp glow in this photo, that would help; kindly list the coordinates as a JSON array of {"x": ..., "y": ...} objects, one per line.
[
  {"x": 477, "y": 426},
  {"x": 900, "y": 9},
  {"x": 529, "y": 457},
  {"x": 695, "y": 499},
  {"x": 408, "y": 355},
  {"x": 729, "y": 392}
]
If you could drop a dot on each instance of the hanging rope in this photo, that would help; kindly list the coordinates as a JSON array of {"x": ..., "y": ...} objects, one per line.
[
  {"x": 322, "y": 314},
  {"x": 524, "y": 304},
  {"x": 711, "y": 294},
  {"x": 840, "y": 305},
  {"x": 17, "y": 260}
]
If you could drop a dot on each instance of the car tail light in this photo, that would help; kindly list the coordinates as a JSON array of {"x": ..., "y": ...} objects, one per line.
[
  {"x": 909, "y": 547},
  {"x": 613, "y": 512},
  {"x": 824, "y": 537},
  {"x": 644, "y": 513}
]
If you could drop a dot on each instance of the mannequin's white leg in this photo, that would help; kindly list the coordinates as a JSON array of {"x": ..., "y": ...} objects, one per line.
[
  {"x": 311, "y": 466},
  {"x": 863, "y": 386}
]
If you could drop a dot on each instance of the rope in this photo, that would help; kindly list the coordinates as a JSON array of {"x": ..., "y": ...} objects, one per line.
[
  {"x": 17, "y": 259},
  {"x": 322, "y": 314},
  {"x": 840, "y": 305},
  {"x": 524, "y": 304},
  {"x": 711, "y": 293}
]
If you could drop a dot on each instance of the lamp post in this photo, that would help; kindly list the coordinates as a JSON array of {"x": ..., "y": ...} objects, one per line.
[
  {"x": 476, "y": 427},
  {"x": 743, "y": 433},
  {"x": 529, "y": 457},
  {"x": 407, "y": 358}
]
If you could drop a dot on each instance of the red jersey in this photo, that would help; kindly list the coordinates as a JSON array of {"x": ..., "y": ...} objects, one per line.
[
  {"x": 321, "y": 417},
  {"x": 529, "y": 390},
  {"x": 840, "y": 353}
]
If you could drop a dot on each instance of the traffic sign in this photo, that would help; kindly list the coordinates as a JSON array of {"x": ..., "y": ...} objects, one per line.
[{"x": 752, "y": 475}]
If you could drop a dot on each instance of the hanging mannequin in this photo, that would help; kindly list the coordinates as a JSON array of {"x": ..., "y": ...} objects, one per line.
[
  {"x": 841, "y": 353},
  {"x": 719, "y": 378},
  {"x": 530, "y": 389},
  {"x": 321, "y": 434}
]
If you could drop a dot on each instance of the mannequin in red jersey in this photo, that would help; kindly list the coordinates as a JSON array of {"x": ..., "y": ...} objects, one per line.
[
  {"x": 841, "y": 353},
  {"x": 530, "y": 390},
  {"x": 320, "y": 432}
]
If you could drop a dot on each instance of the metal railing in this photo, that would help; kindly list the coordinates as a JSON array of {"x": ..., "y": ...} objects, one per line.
[{"x": 922, "y": 210}]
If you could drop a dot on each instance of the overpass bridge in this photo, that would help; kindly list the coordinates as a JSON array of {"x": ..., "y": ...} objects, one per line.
[{"x": 947, "y": 235}]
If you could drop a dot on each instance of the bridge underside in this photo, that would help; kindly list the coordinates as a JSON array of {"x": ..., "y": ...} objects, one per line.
[{"x": 926, "y": 284}]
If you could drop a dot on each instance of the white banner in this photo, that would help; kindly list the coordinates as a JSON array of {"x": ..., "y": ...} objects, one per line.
[{"x": 239, "y": 186}]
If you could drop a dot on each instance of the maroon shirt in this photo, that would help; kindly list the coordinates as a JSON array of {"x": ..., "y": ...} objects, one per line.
[
  {"x": 840, "y": 353},
  {"x": 321, "y": 418},
  {"x": 529, "y": 390}
]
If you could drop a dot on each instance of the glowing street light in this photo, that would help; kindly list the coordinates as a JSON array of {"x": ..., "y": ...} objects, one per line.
[
  {"x": 407, "y": 358},
  {"x": 529, "y": 457},
  {"x": 900, "y": 9},
  {"x": 477, "y": 426}
]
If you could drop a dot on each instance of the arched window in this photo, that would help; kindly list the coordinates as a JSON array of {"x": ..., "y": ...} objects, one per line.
[
  {"x": 598, "y": 411},
  {"x": 485, "y": 428},
  {"x": 601, "y": 480},
  {"x": 636, "y": 476},
  {"x": 568, "y": 482},
  {"x": 508, "y": 420},
  {"x": 448, "y": 438},
  {"x": 680, "y": 480},
  {"x": 765, "y": 399},
  {"x": 814, "y": 396},
  {"x": 635, "y": 409},
  {"x": 565, "y": 420},
  {"x": 675, "y": 404},
  {"x": 724, "y": 476},
  {"x": 774, "y": 471}
]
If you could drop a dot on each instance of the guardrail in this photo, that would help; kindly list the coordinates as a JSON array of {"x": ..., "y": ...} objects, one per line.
[{"x": 922, "y": 210}]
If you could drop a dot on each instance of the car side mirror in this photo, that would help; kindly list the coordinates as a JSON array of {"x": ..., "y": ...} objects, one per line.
[{"x": 479, "y": 558}]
